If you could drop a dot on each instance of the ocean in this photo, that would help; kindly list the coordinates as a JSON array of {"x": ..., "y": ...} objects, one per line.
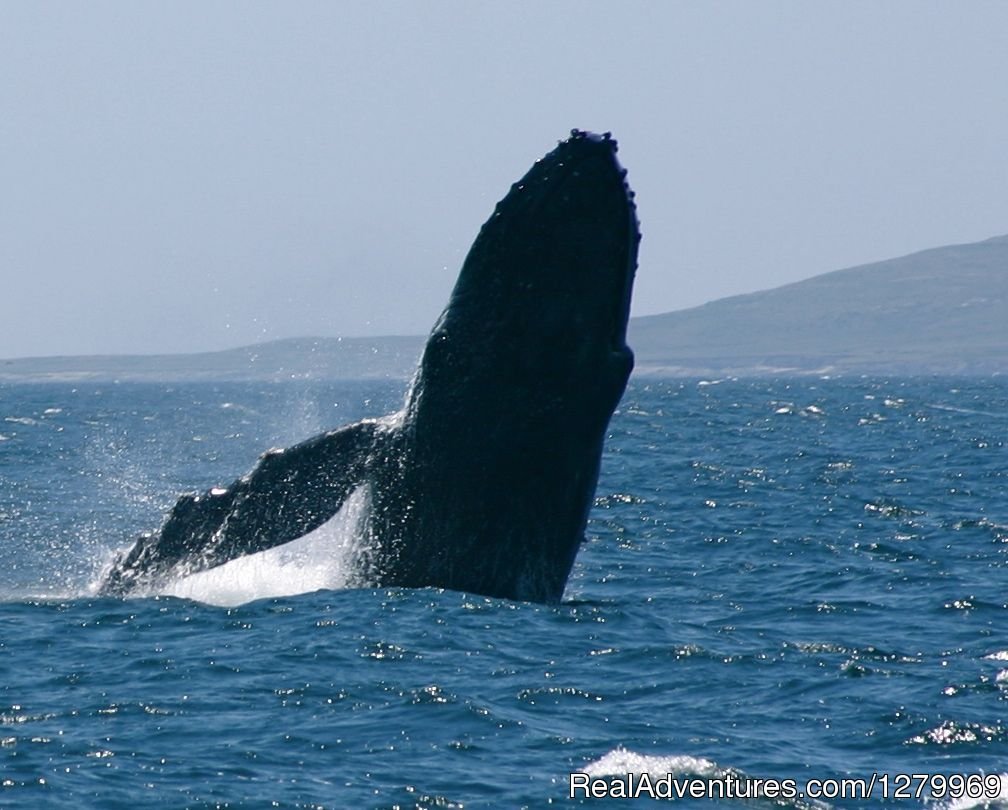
[{"x": 783, "y": 579}]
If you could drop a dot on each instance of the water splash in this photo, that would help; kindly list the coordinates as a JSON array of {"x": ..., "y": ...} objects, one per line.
[{"x": 621, "y": 761}]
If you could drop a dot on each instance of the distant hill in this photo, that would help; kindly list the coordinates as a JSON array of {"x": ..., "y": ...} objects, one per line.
[
  {"x": 943, "y": 311},
  {"x": 293, "y": 358}
]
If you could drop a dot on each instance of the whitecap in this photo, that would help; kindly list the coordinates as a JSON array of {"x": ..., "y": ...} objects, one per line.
[{"x": 621, "y": 761}]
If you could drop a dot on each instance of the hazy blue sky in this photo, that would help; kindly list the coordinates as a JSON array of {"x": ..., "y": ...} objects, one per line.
[{"x": 193, "y": 176}]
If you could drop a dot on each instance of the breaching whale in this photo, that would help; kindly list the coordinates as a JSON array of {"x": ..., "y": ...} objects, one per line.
[{"x": 483, "y": 482}]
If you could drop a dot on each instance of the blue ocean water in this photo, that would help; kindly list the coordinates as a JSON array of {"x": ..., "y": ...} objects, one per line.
[{"x": 782, "y": 579}]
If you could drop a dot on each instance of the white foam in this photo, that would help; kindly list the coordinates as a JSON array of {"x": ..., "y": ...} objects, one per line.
[
  {"x": 322, "y": 559},
  {"x": 987, "y": 802},
  {"x": 621, "y": 761}
]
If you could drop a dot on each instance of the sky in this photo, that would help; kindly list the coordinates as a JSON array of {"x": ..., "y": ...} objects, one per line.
[{"x": 193, "y": 176}]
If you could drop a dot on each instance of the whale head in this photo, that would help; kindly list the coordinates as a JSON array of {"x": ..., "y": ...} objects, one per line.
[{"x": 541, "y": 305}]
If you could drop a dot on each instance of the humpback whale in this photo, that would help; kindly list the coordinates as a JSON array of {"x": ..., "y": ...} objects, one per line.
[{"x": 483, "y": 482}]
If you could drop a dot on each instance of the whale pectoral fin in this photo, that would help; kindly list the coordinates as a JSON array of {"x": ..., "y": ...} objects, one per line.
[
  {"x": 294, "y": 491},
  {"x": 286, "y": 495}
]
